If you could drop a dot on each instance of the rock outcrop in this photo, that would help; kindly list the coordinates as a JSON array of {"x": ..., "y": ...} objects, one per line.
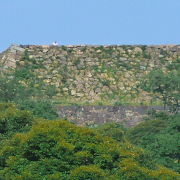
[
  {"x": 94, "y": 115},
  {"x": 94, "y": 73}
]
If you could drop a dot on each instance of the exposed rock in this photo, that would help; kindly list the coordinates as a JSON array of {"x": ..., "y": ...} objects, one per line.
[
  {"x": 14, "y": 48},
  {"x": 92, "y": 115},
  {"x": 73, "y": 92},
  {"x": 92, "y": 72}
]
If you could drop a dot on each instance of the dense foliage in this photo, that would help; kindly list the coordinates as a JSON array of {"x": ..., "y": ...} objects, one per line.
[
  {"x": 39, "y": 108},
  {"x": 114, "y": 130},
  {"x": 161, "y": 136},
  {"x": 61, "y": 150},
  {"x": 165, "y": 85},
  {"x": 13, "y": 120}
]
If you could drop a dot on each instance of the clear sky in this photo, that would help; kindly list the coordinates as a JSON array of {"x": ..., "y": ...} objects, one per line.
[{"x": 89, "y": 22}]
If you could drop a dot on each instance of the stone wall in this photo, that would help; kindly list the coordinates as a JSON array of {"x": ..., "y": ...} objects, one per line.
[{"x": 93, "y": 115}]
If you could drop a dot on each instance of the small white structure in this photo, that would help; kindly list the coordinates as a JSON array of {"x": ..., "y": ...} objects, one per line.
[{"x": 55, "y": 43}]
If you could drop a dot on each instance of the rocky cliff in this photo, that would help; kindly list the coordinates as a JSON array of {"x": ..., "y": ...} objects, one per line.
[
  {"x": 91, "y": 74},
  {"x": 95, "y": 115}
]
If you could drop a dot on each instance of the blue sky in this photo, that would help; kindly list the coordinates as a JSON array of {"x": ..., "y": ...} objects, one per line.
[{"x": 89, "y": 22}]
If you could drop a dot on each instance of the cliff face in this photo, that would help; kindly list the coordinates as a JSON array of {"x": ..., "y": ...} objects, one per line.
[
  {"x": 94, "y": 73},
  {"x": 94, "y": 115}
]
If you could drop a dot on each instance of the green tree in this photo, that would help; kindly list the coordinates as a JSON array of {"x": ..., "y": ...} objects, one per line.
[
  {"x": 40, "y": 108},
  {"x": 13, "y": 120},
  {"x": 113, "y": 130},
  {"x": 165, "y": 86},
  {"x": 161, "y": 136},
  {"x": 61, "y": 150}
]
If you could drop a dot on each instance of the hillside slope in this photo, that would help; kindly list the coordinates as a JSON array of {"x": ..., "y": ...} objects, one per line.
[{"x": 91, "y": 74}]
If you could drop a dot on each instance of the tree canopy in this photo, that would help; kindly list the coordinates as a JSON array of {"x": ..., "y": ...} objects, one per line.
[
  {"x": 165, "y": 85},
  {"x": 61, "y": 150},
  {"x": 160, "y": 135}
]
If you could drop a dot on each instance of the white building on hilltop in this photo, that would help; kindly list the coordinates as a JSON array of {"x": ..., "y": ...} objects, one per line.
[{"x": 55, "y": 43}]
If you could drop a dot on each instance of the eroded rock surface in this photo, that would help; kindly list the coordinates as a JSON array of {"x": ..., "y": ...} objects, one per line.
[
  {"x": 93, "y": 73},
  {"x": 93, "y": 115}
]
